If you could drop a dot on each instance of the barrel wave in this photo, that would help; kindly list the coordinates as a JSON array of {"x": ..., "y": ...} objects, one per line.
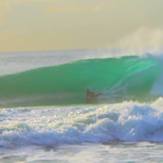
[{"x": 86, "y": 81}]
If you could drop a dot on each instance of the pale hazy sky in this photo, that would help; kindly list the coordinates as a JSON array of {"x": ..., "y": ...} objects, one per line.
[{"x": 27, "y": 25}]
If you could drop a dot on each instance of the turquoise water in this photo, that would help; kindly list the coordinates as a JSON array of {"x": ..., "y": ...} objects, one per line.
[{"x": 116, "y": 79}]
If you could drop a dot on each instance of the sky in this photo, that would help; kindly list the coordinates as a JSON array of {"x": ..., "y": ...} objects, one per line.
[{"x": 45, "y": 25}]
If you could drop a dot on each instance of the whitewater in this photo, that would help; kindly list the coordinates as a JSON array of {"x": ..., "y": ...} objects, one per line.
[{"x": 45, "y": 117}]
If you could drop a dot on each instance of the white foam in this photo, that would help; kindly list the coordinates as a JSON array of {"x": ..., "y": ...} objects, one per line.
[{"x": 51, "y": 126}]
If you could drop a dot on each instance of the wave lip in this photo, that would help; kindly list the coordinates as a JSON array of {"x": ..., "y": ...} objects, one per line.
[{"x": 124, "y": 122}]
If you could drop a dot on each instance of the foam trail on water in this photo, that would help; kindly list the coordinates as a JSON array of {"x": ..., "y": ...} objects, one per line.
[{"x": 51, "y": 126}]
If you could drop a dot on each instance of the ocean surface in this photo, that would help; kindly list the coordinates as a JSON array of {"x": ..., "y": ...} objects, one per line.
[{"x": 94, "y": 106}]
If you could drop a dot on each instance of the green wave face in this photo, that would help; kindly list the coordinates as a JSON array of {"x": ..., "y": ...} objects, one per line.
[{"x": 114, "y": 79}]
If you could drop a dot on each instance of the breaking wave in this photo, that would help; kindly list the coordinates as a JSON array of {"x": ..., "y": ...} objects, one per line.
[
  {"x": 109, "y": 80},
  {"x": 52, "y": 126}
]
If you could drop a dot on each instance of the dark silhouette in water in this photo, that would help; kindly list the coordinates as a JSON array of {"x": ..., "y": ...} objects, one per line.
[{"x": 91, "y": 96}]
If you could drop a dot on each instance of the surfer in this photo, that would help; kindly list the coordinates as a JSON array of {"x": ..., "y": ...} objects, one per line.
[{"x": 91, "y": 96}]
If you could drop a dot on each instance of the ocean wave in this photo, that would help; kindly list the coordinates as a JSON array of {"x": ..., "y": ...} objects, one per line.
[
  {"x": 52, "y": 126},
  {"x": 108, "y": 80}
]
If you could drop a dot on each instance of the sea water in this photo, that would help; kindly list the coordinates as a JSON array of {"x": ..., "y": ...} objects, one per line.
[{"x": 45, "y": 117}]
